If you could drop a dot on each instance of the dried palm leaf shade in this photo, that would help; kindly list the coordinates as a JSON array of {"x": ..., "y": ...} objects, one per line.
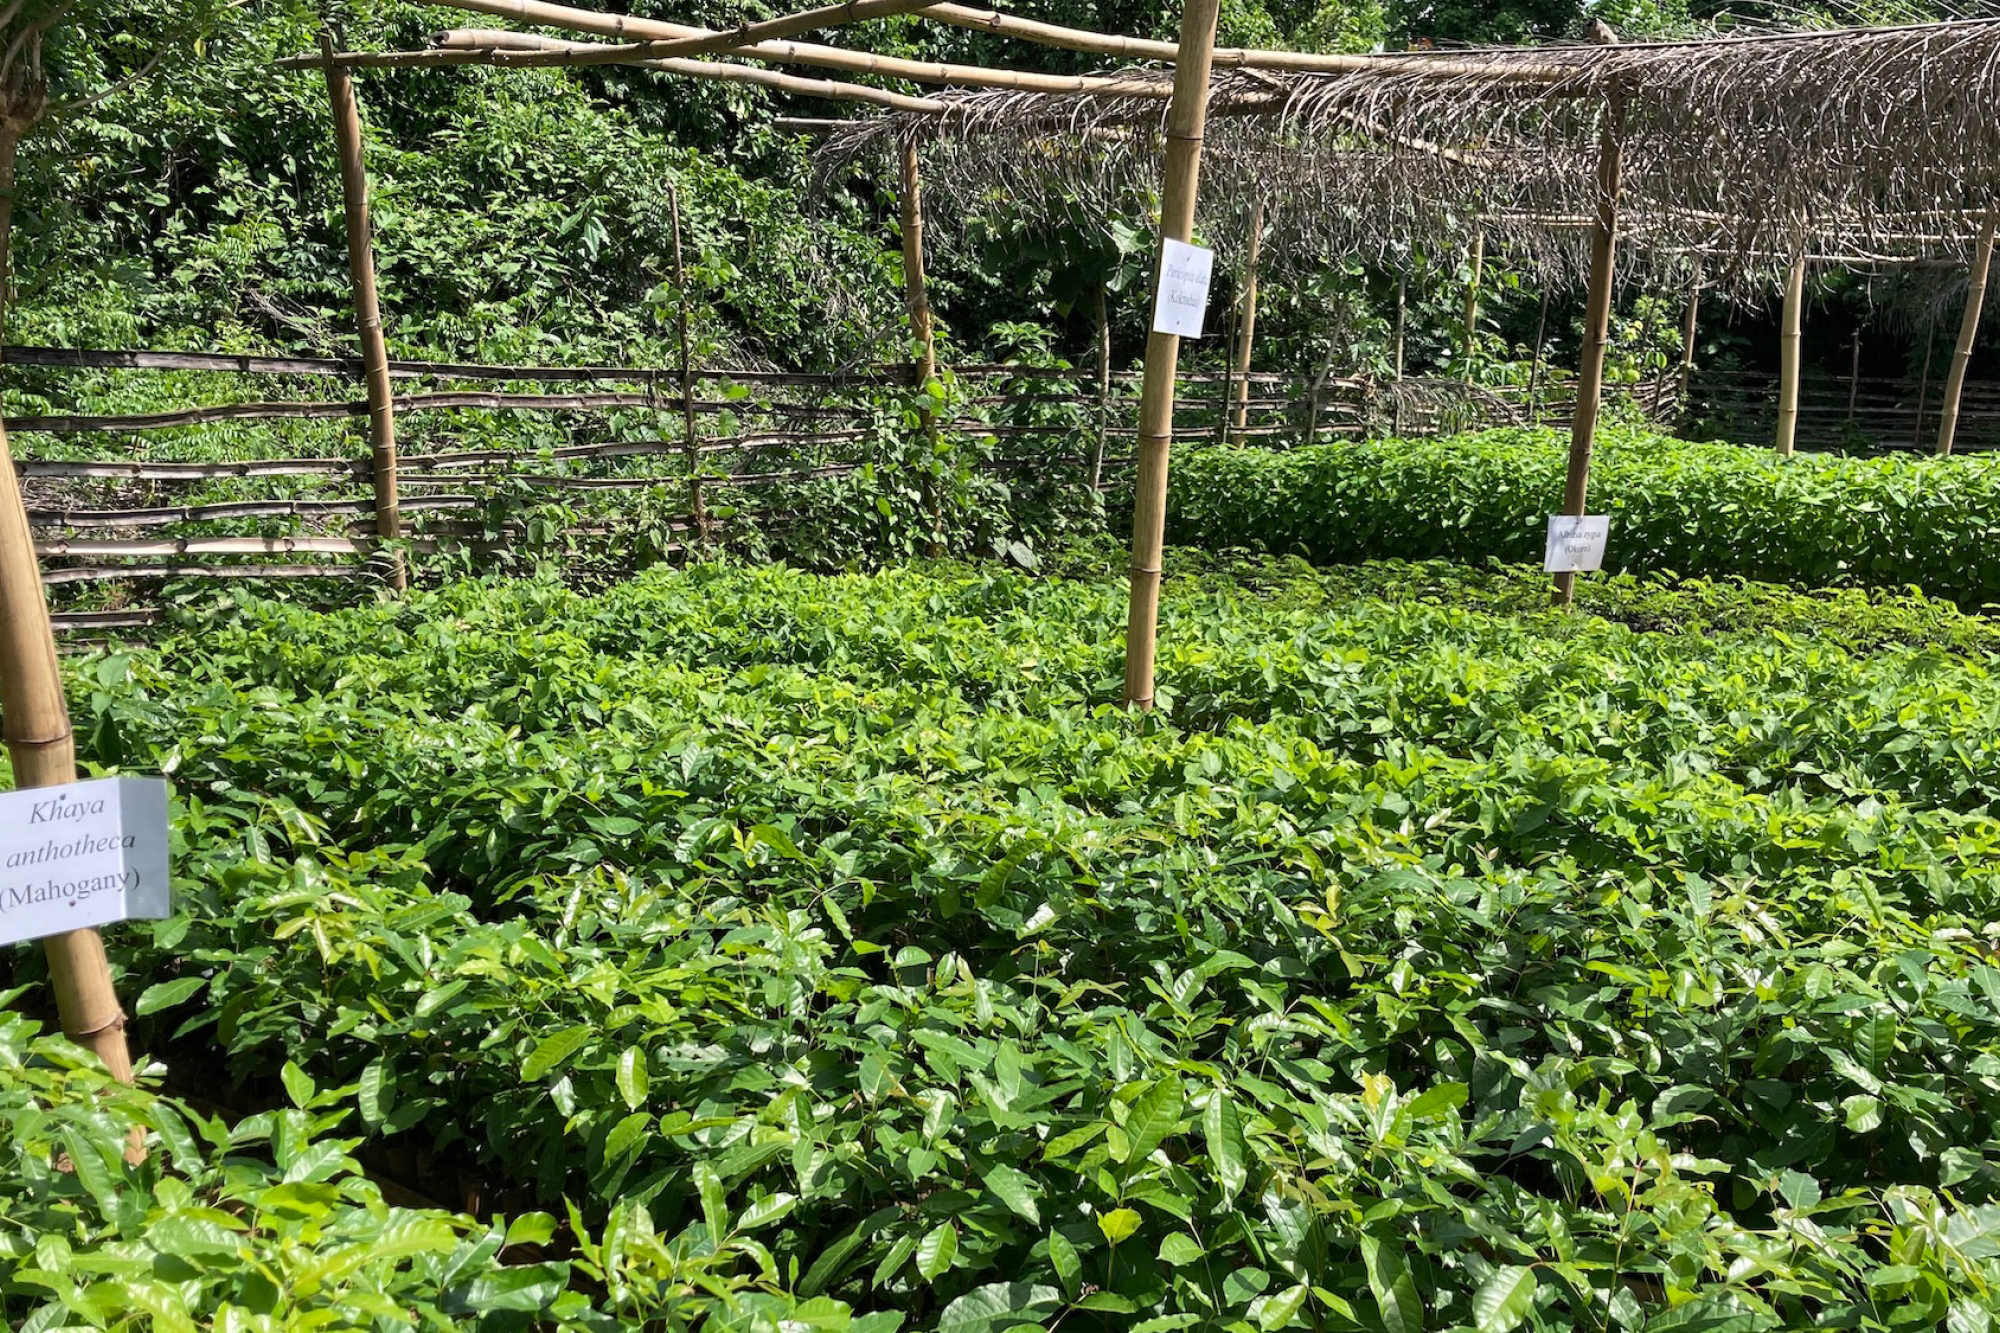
[{"x": 1876, "y": 145}]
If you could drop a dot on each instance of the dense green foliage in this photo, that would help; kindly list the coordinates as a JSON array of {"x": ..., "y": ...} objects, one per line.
[
  {"x": 268, "y": 1223},
  {"x": 1712, "y": 510},
  {"x": 1436, "y": 961}
]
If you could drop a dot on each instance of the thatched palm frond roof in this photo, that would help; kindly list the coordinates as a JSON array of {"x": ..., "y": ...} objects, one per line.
[{"x": 1879, "y": 143}]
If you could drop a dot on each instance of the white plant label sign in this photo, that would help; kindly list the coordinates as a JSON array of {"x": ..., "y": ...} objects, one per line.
[
  {"x": 82, "y": 854},
  {"x": 1183, "y": 294},
  {"x": 1576, "y": 543}
]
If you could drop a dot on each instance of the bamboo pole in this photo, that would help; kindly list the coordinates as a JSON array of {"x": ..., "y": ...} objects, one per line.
[
  {"x": 1187, "y": 117},
  {"x": 642, "y": 33},
  {"x": 540, "y": 13},
  {"x": 1968, "y": 330},
  {"x": 1688, "y": 321},
  {"x": 1788, "y": 358},
  {"x": 1246, "y": 332},
  {"x": 1227, "y": 389},
  {"x": 1924, "y": 386},
  {"x": 697, "y": 503},
  {"x": 1103, "y": 388},
  {"x": 1596, "y": 327},
  {"x": 367, "y": 312},
  {"x": 749, "y": 34},
  {"x": 916, "y": 297},
  {"x": 490, "y": 46},
  {"x": 1396, "y": 407},
  {"x": 1472, "y": 301},
  {"x": 1535, "y": 366},
  {"x": 35, "y": 711},
  {"x": 1854, "y": 374}
]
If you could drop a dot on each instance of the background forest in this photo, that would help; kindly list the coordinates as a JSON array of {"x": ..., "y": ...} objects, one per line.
[{"x": 522, "y": 214}]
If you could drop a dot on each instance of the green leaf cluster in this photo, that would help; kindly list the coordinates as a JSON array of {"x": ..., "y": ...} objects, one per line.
[{"x": 1432, "y": 961}]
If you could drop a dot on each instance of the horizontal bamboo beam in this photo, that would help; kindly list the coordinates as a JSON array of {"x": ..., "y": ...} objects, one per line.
[
  {"x": 114, "y": 573},
  {"x": 647, "y": 31},
  {"x": 548, "y": 52},
  {"x": 350, "y": 367},
  {"x": 129, "y": 618},
  {"x": 142, "y": 470},
  {"x": 165, "y": 515},
  {"x": 1299, "y": 62},
  {"x": 207, "y": 546},
  {"x": 789, "y": 25}
]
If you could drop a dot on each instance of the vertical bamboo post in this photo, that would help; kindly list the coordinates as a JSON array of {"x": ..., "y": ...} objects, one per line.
[
  {"x": 691, "y": 444},
  {"x": 1187, "y": 117},
  {"x": 1396, "y": 363},
  {"x": 367, "y": 312},
  {"x": 1968, "y": 329},
  {"x": 1854, "y": 374},
  {"x": 1924, "y": 387},
  {"x": 1246, "y": 330},
  {"x": 1103, "y": 389},
  {"x": 36, "y": 715},
  {"x": 1596, "y": 326},
  {"x": 916, "y": 297},
  {"x": 1788, "y": 358},
  {"x": 1689, "y": 319},
  {"x": 1227, "y": 397},
  {"x": 1535, "y": 366},
  {"x": 1472, "y": 301}
]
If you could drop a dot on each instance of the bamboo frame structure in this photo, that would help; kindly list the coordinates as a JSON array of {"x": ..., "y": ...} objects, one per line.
[
  {"x": 1788, "y": 358},
  {"x": 1187, "y": 119},
  {"x": 1596, "y": 327},
  {"x": 650, "y": 33},
  {"x": 1246, "y": 332},
  {"x": 367, "y": 309},
  {"x": 1968, "y": 331}
]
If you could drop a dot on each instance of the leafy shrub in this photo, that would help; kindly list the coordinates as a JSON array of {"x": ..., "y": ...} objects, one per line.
[
  {"x": 1437, "y": 960},
  {"x": 1702, "y": 509}
]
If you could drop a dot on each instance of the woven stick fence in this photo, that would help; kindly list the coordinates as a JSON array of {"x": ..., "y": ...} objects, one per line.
[{"x": 94, "y": 504}]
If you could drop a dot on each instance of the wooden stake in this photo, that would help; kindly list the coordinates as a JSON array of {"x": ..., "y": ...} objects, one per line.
[
  {"x": 1472, "y": 301},
  {"x": 1187, "y": 117},
  {"x": 1688, "y": 320},
  {"x": 1246, "y": 329},
  {"x": 1924, "y": 385},
  {"x": 1227, "y": 394},
  {"x": 36, "y": 716},
  {"x": 1103, "y": 389},
  {"x": 1968, "y": 329},
  {"x": 367, "y": 313},
  {"x": 1396, "y": 407},
  {"x": 1596, "y": 326},
  {"x": 1788, "y": 358},
  {"x": 697, "y": 502},
  {"x": 917, "y": 300},
  {"x": 1535, "y": 366},
  {"x": 1854, "y": 374}
]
